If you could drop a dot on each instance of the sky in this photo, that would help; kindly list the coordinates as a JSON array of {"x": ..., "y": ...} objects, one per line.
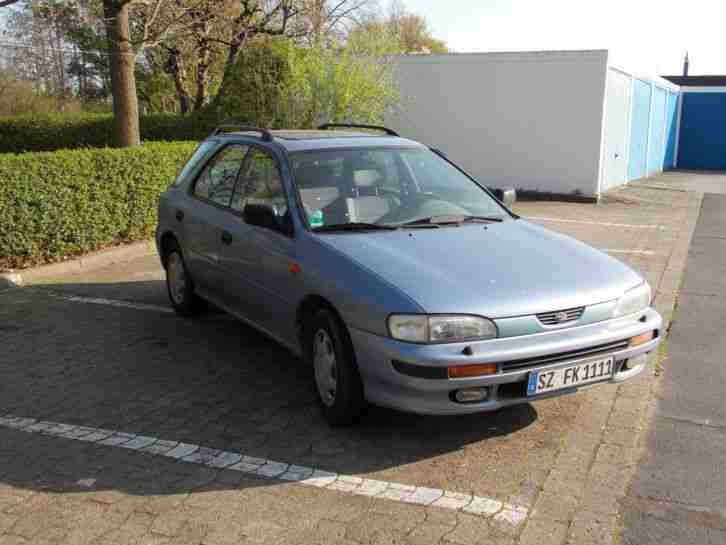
[{"x": 649, "y": 37}]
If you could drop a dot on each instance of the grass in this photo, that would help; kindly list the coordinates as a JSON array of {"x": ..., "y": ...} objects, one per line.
[{"x": 669, "y": 317}]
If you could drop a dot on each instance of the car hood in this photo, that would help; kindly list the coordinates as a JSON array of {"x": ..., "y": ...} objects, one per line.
[{"x": 513, "y": 268}]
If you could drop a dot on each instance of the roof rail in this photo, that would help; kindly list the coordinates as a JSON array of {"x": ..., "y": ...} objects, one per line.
[
  {"x": 327, "y": 126},
  {"x": 266, "y": 135}
]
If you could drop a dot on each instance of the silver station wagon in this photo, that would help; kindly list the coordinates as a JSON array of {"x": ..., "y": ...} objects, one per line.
[{"x": 402, "y": 280}]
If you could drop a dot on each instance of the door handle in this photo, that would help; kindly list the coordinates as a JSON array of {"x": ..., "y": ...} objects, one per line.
[
  {"x": 179, "y": 215},
  {"x": 226, "y": 237}
]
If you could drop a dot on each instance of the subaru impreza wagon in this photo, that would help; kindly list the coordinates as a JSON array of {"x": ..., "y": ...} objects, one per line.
[{"x": 402, "y": 280}]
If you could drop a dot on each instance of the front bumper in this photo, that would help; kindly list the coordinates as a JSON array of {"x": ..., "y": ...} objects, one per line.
[{"x": 516, "y": 358}]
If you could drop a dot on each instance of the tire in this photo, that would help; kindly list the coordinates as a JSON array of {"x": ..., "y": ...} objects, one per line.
[
  {"x": 179, "y": 285},
  {"x": 337, "y": 380}
]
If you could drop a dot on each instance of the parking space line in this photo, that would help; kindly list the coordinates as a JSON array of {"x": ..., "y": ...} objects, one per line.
[
  {"x": 504, "y": 513},
  {"x": 110, "y": 302},
  {"x": 636, "y": 252},
  {"x": 602, "y": 224}
]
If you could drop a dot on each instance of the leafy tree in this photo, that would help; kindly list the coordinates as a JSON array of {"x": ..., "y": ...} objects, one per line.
[
  {"x": 199, "y": 60},
  {"x": 279, "y": 83}
]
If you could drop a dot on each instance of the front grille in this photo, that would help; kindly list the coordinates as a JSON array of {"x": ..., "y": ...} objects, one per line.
[
  {"x": 564, "y": 356},
  {"x": 559, "y": 317}
]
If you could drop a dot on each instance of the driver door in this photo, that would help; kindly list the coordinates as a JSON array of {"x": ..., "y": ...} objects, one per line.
[{"x": 256, "y": 260}]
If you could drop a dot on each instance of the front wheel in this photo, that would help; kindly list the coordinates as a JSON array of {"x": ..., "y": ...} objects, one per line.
[{"x": 340, "y": 389}]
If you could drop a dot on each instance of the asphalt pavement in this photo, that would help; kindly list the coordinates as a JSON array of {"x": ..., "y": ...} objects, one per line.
[
  {"x": 679, "y": 493},
  {"x": 99, "y": 379}
]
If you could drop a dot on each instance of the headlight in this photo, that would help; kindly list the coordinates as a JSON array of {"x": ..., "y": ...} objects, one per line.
[
  {"x": 633, "y": 301},
  {"x": 418, "y": 328}
]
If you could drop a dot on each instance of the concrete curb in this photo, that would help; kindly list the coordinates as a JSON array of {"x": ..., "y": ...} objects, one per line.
[
  {"x": 95, "y": 260},
  {"x": 580, "y": 499}
]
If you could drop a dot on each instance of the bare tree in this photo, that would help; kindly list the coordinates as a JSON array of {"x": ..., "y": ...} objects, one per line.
[
  {"x": 325, "y": 19},
  {"x": 131, "y": 27},
  {"x": 189, "y": 54},
  {"x": 256, "y": 17},
  {"x": 410, "y": 30},
  {"x": 38, "y": 55}
]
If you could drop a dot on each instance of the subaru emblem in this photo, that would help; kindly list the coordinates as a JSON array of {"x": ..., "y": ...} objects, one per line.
[{"x": 561, "y": 317}]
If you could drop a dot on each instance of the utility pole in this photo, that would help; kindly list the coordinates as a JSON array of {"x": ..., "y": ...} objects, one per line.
[{"x": 685, "y": 65}]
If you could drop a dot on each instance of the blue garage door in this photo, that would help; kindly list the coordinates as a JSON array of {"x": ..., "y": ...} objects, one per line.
[
  {"x": 703, "y": 132},
  {"x": 656, "y": 140},
  {"x": 671, "y": 130},
  {"x": 639, "y": 130}
]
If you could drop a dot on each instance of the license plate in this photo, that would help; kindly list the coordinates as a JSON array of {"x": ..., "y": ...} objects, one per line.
[{"x": 568, "y": 376}]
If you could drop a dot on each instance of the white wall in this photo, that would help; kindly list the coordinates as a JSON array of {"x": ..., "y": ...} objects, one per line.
[{"x": 528, "y": 120}]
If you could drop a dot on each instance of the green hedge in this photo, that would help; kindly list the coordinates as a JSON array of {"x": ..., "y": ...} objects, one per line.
[
  {"x": 54, "y": 132},
  {"x": 57, "y": 205}
]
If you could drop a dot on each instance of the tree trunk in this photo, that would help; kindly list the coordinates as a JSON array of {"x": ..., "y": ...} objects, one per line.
[
  {"x": 318, "y": 19},
  {"x": 123, "y": 80},
  {"x": 202, "y": 77},
  {"x": 175, "y": 67},
  {"x": 232, "y": 54}
]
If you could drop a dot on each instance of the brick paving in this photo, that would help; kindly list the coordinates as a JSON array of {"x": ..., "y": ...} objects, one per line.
[{"x": 217, "y": 383}]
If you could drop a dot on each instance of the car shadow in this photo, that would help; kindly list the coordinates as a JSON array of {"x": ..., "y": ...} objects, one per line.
[{"x": 213, "y": 381}]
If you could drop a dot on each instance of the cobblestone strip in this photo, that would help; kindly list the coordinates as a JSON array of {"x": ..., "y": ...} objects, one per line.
[
  {"x": 578, "y": 503},
  {"x": 505, "y": 514}
]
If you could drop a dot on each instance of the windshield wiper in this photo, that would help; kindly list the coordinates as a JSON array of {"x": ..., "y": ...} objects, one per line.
[
  {"x": 452, "y": 220},
  {"x": 496, "y": 219},
  {"x": 354, "y": 226}
]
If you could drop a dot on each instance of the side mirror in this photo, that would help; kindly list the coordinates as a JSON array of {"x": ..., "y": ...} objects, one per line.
[
  {"x": 265, "y": 215},
  {"x": 508, "y": 195}
]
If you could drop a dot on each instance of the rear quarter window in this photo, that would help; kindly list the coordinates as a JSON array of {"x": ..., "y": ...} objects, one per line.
[{"x": 194, "y": 161}]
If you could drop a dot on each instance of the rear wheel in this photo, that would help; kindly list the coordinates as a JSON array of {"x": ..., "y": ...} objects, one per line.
[
  {"x": 179, "y": 284},
  {"x": 340, "y": 389}
]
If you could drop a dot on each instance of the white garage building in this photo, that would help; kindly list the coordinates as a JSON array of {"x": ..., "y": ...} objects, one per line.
[{"x": 556, "y": 122}]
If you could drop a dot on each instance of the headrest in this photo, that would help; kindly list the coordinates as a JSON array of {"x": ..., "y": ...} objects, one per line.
[{"x": 366, "y": 178}]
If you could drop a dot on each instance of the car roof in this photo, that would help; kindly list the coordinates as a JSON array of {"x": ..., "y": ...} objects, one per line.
[{"x": 310, "y": 140}]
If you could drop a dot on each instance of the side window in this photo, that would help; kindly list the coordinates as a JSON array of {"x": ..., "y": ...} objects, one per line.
[
  {"x": 192, "y": 163},
  {"x": 216, "y": 182},
  {"x": 260, "y": 183}
]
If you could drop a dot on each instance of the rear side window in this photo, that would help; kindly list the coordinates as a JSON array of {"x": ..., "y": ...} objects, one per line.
[
  {"x": 216, "y": 182},
  {"x": 193, "y": 162},
  {"x": 259, "y": 183}
]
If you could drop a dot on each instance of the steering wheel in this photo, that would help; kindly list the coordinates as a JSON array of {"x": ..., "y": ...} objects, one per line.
[{"x": 391, "y": 195}]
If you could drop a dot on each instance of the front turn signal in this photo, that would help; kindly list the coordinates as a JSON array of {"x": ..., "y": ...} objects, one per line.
[
  {"x": 471, "y": 371},
  {"x": 643, "y": 338}
]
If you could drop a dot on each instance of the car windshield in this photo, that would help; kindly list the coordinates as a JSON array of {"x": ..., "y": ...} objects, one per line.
[{"x": 379, "y": 188}]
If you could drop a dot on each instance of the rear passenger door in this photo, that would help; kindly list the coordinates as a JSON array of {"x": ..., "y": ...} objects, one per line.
[{"x": 210, "y": 214}]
